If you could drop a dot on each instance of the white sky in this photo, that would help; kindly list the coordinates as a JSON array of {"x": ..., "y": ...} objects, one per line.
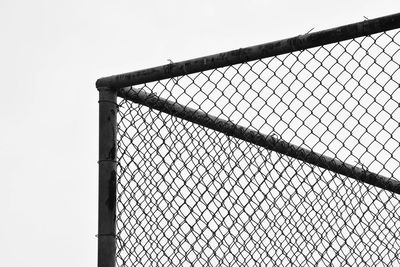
[{"x": 51, "y": 54}]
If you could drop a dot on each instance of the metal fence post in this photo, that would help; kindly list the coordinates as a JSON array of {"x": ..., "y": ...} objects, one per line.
[{"x": 107, "y": 177}]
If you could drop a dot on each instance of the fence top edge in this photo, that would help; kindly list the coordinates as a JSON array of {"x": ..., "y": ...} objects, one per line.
[{"x": 301, "y": 42}]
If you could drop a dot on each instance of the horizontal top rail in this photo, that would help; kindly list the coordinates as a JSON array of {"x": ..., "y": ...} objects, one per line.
[{"x": 241, "y": 55}]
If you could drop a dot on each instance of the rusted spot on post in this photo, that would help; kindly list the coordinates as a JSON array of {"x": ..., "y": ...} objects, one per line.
[{"x": 112, "y": 191}]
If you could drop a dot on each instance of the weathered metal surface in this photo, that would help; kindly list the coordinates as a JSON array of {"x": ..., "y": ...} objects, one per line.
[
  {"x": 107, "y": 177},
  {"x": 284, "y": 46},
  {"x": 266, "y": 141}
]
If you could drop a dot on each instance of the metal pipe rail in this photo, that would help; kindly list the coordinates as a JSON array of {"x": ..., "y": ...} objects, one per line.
[
  {"x": 266, "y": 141},
  {"x": 241, "y": 55}
]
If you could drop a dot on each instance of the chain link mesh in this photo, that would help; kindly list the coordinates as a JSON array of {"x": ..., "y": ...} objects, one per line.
[{"x": 191, "y": 196}]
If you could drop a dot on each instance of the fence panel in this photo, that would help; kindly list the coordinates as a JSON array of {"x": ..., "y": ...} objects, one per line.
[{"x": 291, "y": 159}]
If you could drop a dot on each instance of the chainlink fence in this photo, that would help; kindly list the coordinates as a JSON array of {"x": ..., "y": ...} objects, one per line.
[{"x": 270, "y": 162}]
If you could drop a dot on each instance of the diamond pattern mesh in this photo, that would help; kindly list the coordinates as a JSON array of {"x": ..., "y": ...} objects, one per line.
[{"x": 191, "y": 196}]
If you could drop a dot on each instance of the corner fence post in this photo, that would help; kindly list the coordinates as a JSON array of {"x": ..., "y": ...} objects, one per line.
[{"x": 107, "y": 177}]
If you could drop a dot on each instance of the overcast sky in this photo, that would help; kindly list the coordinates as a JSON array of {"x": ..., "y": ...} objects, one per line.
[{"x": 51, "y": 54}]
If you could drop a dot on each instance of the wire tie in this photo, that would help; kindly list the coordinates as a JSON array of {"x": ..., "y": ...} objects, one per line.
[{"x": 101, "y": 234}]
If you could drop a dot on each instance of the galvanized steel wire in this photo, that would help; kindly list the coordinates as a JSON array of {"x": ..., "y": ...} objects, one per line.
[{"x": 188, "y": 195}]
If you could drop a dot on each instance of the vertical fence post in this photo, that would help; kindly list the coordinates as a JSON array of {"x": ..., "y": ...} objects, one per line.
[{"x": 107, "y": 177}]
